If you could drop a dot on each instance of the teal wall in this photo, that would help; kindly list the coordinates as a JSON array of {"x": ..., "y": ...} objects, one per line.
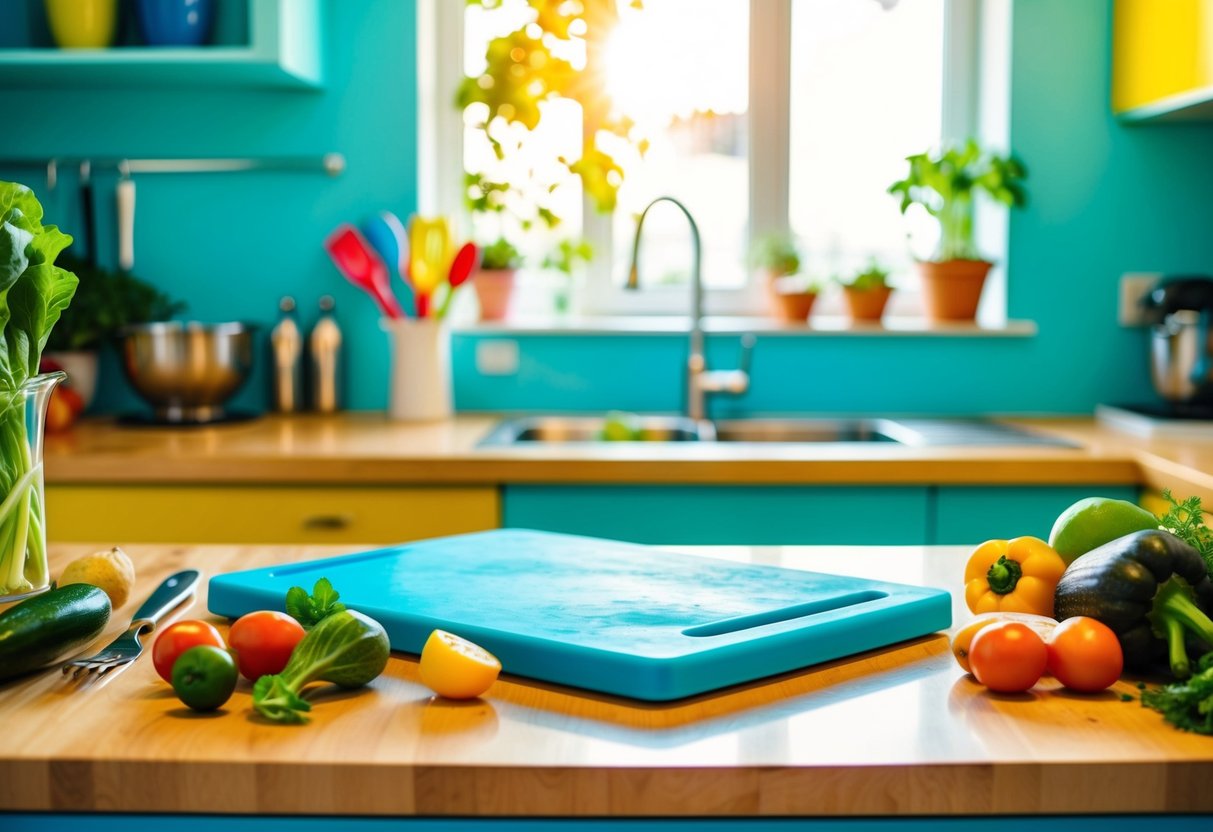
[
  {"x": 1105, "y": 198},
  {"x": 233, "y": 244}
]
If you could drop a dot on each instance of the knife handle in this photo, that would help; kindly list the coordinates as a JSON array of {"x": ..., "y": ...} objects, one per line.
[{"x": 175, "y": 589}]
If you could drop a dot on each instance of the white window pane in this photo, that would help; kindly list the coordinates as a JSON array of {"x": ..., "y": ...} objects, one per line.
[
  {"x": 531, "y": 165},
  {"x": 680, "y": 69},
  {"x": 866, "y": 92}
]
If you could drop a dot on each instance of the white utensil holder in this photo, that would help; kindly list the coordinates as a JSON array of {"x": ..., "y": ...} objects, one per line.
[{"x": 420, "y": 369}]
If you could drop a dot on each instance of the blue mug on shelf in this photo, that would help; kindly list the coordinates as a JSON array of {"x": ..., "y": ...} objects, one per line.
[{"x": 175, "y": 22}]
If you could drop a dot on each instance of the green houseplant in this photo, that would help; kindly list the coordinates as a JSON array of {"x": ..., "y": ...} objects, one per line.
[
  {"x": 867, "y": 292},
  {"x": 495, "y": 277},
  {"x": 105, "y": 303},
  {"x": 945, "y": 184},
  {"x": 778, "y": 258},
  {"x": 565, "y": 258}
]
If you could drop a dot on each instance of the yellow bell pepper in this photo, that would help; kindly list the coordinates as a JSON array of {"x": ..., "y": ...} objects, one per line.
[{"x": 1017, "y": 575}]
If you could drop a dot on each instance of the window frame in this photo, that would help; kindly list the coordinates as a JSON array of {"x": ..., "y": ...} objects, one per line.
[{"x": 440, "y": 147}]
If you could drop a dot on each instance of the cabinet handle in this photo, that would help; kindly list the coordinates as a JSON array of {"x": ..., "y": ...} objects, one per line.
[{"x": 328, "y": 522}]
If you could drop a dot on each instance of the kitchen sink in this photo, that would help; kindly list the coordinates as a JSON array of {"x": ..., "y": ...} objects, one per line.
[
  {"x": 580, "y": 429},
  {"x": 547, "y": 430}
]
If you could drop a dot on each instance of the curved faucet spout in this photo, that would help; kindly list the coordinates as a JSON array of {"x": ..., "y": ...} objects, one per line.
[{"x": 700, "y": 381}]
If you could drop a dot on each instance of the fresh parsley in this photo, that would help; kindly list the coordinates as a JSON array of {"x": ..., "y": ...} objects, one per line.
[
  {"x": 310, "y": 610},
  {"x": 1186, "y": 521},
  {"x": 1187, "y": 705}
]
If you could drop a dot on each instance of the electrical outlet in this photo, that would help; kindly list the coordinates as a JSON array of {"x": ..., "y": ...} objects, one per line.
[
  {"x": 1133, "y": 287},
  {"x": 497, "y": 357}
]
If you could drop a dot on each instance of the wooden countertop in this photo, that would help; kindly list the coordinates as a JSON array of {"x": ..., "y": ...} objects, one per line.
[
  {"x": 367, "y": 449},
  {"x": 900, "y": 731}
]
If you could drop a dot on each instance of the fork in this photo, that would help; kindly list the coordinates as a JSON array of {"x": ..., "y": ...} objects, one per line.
[{"x": 127, "y": 647}]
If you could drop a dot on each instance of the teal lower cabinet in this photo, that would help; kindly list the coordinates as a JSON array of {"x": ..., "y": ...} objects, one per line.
[
  {"x": 972, "y": 514},
  {"x": 723, "y": 515},
  {"x": 771, "y": 515}
]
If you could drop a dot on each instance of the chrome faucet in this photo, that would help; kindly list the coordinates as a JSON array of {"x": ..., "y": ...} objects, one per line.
[{"x": 700, "y": 380}]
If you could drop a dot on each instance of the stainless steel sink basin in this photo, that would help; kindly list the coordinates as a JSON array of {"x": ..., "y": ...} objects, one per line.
[
  {"x": 806, "y": 430},
  {"x": 580, "y": 429},
  {"x": 546, "y": 430}
]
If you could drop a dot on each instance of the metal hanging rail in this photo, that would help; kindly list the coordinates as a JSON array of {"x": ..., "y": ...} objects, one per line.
[{"x": 332, "y": 164}]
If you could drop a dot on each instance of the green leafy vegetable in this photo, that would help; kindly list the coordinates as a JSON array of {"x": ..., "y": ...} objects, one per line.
[
  {"x": 310, "y": 610},
  {"x": 1187, "y": 705},
  {"x": 1186, "y": 521},
  {"x": 106, "y": 302},
  {"x": 347, "y": 648},
  {"x": 33, "y": 294}
]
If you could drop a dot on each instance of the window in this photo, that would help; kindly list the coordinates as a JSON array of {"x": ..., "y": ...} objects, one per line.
[{"x": 760, "y": 115}]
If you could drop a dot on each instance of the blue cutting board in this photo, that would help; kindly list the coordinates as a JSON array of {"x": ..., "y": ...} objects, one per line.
[{"x": 608, "y": 616}]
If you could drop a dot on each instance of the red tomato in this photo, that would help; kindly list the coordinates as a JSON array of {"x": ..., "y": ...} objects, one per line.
[
  {"x": 1008, "y": 657},
  {"x": 177, "y": 639},
  {"x": 263, "y": 642},
  {"x": 1085, "y": 655},
  {"x": 61, "y": 412}
]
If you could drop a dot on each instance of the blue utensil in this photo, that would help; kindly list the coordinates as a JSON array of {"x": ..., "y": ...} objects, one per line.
[{"x": 386, "y": 234}]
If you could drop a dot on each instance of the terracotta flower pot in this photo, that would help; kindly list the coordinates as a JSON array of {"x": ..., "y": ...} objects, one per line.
[
  {"x": 494, "y": 290},
  {"x": 952, "y": 289},
  {"x": 793, "y": 306},
  {"x": 866, "y": 304}
]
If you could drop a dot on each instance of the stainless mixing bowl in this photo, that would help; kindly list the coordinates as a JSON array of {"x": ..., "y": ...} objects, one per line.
[{"x": 187, "y": 371}]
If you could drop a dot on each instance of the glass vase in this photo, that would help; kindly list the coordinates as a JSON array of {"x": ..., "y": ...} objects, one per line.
[{"x": 23, "y": 566}]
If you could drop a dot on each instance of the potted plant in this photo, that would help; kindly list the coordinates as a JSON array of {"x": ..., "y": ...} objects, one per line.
[
  {"x": 494, "y": 279},
  {"x": 565, "y": 258},
  {"x": 944, "y": 184},
  {"x": 867, "y": 292},
  {"x": 777, "y": 257},
  {"x": 105, "y": 303}
]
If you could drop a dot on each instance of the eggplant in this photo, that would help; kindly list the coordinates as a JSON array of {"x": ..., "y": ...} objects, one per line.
[{"x": 1153, "y": 590}]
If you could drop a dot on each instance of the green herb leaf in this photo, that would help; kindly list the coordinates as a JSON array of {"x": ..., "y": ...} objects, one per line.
[
  {"x": 1186, "y": 521},
  {"x": 1187, "y": 705},
  {"x": 310, "y": 610}
]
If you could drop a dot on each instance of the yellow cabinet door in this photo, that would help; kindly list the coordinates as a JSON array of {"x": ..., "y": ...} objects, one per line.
[
  {"x": 1162, "y": 56},
  {"x": 111, "y": 515}
]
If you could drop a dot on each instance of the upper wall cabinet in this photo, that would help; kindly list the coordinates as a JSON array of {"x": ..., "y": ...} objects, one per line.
[
  {"x": 1162, "y": 59},
  {"x": 254, "y": 43}
]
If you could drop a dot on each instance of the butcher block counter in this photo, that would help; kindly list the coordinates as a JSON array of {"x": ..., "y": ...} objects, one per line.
[
  {"x": 895, "y": 732},
  {"x": 367, "y": 449}
]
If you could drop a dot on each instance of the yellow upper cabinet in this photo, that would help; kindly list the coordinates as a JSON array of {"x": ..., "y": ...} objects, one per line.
[{"x": 1162, "y": 59}]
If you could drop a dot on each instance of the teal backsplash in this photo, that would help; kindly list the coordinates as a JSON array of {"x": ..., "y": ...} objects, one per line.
[{"x": 1105, "y": 198}]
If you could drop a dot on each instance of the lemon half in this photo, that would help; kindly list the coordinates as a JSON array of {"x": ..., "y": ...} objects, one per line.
[{"x": 455, "y": 667}]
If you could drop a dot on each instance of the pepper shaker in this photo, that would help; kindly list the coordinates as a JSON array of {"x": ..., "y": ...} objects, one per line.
[
  {"x": 324, "y": 352},
  {"x": 286, "y": 344}
]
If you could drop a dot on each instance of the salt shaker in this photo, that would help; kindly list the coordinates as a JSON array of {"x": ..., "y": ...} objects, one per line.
[
  {"x": 324, "y": 352},
  {"x": 286, "y": 344}
]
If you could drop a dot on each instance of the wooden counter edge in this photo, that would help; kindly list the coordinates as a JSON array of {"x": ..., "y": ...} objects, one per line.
[
  {"x": 916, "y": 470},
  {"x": 510, "y": 791}
]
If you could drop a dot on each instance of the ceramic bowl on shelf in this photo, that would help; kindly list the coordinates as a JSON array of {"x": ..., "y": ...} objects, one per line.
[{"x": 175, "y": 22}]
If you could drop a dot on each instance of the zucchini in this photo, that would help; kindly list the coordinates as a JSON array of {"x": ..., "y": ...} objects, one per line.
[{"x": 50, "y": 627}]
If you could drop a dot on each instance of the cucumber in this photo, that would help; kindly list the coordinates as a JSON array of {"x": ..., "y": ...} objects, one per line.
[{"x": 50, "y": 627}]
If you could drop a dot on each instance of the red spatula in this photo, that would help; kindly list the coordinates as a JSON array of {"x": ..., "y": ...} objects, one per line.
[
  {"x": 362, "y": 266},
  {"x": 461, "y": 270}
]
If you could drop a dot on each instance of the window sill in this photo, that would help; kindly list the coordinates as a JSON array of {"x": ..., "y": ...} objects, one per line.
[{"x": 820, "y": 326}]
